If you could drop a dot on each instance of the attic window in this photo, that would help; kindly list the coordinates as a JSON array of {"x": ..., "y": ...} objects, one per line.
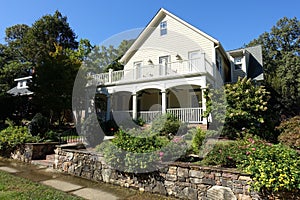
[{"x": 163, "y": 28}]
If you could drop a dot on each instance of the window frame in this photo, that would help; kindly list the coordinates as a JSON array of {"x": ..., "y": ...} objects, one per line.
[{"x": 163, "y": 28}]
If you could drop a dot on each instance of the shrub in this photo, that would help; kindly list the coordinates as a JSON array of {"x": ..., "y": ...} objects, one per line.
[
  {"x": 273, "y": 168},
  {"x": 223, "y": 154},
  {"x": 132, "y": 151},
  {"x": 197, "y": 140},
  {"x": 168, "y": 125},
  {"x": 141, "y": 151},
  {"x": 173, "y": 150},
  {"x": 290, "y": 132},
  {"x": 39, "y": 125},
  {"x": 51, "y": 136},
  {"x": 14, "y": 136},
  {"x": 240, "y": 106}
]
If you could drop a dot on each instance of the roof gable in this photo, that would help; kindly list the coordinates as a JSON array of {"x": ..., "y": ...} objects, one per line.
[{"x": 152, "y": 25}]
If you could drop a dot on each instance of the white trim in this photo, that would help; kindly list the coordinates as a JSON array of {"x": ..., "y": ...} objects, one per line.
[
  {"x": 23, "y": 78},
  {"x": 152, "y": 25}
]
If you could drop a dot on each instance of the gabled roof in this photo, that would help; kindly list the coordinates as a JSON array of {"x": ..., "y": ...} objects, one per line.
[
  {"x": 153, "y": 24},
  {"x": 19, "y": 91}
]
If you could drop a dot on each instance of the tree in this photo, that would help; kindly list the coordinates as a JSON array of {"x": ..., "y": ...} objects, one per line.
[
  {"x": 47, "y": 32},
  {"x": 103, "y": 58},
  {"x": 245, "y": 107},
  {"x": 281, "y": 55},
  {"x": 53, "y": 84}
]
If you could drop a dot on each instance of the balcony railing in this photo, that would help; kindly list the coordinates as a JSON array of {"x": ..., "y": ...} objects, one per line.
[{"x": 178, "y": 68}]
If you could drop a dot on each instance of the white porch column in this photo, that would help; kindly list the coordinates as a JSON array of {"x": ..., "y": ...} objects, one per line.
[
  {"x": 163, "y": 101},
  {"x": 204, "y": 121},
  {"x": 134, "y": 106},
  {"x": 110, "y": 71},
  {"x": 108, "y": 107}
]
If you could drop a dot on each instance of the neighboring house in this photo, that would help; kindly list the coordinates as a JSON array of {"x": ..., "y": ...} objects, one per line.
[
  {"x": 167, "y": 69},
  {"x": 22, "y": 87},
  {"x": 246, "y": 62}
]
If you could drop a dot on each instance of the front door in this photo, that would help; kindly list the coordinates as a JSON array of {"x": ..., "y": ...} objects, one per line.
[{"x": 163, "y": 64}]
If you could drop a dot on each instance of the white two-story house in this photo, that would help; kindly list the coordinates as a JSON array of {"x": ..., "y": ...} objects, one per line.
[{"x": 166, "y": 70}]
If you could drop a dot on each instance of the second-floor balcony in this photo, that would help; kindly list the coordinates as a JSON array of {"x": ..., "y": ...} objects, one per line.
[{"x": 176, "y": 69}]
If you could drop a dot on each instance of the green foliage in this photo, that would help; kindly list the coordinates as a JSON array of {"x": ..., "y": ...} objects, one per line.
[
  {"x": 281, "y": 58},
  {"x": 140, "y": 122},
  {"x": 39, "y": 125},
  {"x": 14, "y": 136},
  {"x": 102, "y": 58},
  {"x": 173, "y": 150},
  {"x": 48, "y": 51},
  {"x": 290, "y": 132},
  {"x": 197, "y": 140},
  {"x": 224, "y": 154},
  {"x": 245, "y": 107},
  {"x": 168, "y": 125},
  {"x": 273, "y": 168},
  {"x": 132, "y": 151},
  {"x": 53, "y": 84},
  {"x": 141, "y": 151},
  {"x": 51, "y": 136}
]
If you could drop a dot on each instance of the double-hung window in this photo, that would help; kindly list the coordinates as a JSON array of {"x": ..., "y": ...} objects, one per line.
[{"x": 163, "y": 28}]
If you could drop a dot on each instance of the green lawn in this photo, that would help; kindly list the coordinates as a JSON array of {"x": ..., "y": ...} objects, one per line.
[{"x": 12, "y": 187}]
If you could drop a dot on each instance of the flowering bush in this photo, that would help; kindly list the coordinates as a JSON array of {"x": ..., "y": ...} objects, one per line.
[
  {"x": 133, "y": 151},
  {"x": 141, "y": 151},
  {"x": 173, "y": 149},
  {"x": 273, "y": 167}
]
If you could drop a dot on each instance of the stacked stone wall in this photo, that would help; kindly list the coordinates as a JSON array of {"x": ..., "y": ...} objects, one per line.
[{"x": 181, "y": 180}]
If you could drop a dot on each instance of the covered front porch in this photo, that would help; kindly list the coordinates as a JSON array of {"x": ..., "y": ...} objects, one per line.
[{"x": 186, "y": 102}]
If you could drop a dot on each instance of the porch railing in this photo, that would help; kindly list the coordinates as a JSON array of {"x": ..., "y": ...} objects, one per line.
[
  {"x": 148, "y": 116},
  {"x": 151, "y": 71},
  {"x": 189, "y": 115}
]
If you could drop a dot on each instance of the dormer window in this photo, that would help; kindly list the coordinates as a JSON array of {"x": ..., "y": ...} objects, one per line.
[
  {"x": 238, "y": 63},
  {"x": 163, "y": 28}
]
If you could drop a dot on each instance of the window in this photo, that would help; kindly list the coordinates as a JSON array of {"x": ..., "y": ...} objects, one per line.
[
  {"x": 163, "y": 28},
  {"x": 238, "y": 63},
  {"x": 237, "y": 66}
]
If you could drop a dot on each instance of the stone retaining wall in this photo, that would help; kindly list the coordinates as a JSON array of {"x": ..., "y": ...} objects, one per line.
[
  {"x": 33, "y": 151},
  {"x": 181, "y": 180}
]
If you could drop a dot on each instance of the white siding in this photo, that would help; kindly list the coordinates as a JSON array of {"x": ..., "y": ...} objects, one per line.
[{"x": 179, "y": 39}]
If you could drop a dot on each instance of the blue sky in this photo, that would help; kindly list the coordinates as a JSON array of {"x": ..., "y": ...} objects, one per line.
[{"x": 232, "y": 22}]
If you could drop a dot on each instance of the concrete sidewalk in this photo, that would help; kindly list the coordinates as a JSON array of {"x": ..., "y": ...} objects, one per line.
[
  {"x": 53, "y": 179},
  {"x": 73, "y": 185}
]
